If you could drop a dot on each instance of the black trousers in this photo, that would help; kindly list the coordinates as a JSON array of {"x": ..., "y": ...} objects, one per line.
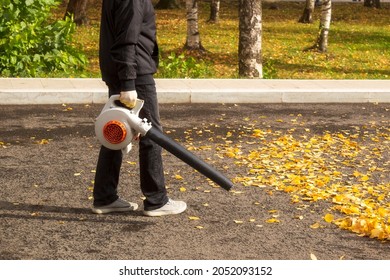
[{"x": 150, "y": 160}]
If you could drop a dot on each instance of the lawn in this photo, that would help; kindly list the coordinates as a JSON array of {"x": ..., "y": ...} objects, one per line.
[{"x": 359, "y": 43}]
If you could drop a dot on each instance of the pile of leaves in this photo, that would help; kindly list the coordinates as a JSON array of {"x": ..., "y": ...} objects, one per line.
[{"x": 344, "y": 168}]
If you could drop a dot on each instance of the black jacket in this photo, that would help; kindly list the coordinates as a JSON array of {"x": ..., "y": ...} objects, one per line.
[{"x": 128, "y": 50}]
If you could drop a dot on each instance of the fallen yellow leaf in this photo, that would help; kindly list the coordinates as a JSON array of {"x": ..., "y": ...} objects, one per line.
[
  {"x": 315, "y": 226},
  {"x": 329, "y": 218},
  {"x": 43, "y": 142},
  {"x": 271, "y": 221},
  {"x": 364, "y": 178}
]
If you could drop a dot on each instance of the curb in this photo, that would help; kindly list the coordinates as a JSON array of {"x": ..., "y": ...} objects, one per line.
[{"x": 18, "y": 91}]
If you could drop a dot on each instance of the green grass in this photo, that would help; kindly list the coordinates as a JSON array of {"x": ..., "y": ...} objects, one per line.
[{"x": 359, "y": 42}]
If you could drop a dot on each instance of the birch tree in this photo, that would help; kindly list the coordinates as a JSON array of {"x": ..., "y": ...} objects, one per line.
[
  {"x": 193, "y": 37},
  {"x": 307, "y": 16},
  {"x": 250, "y": 32},
  {"x": 214, "y": 11},
  {"x": 326, "y": 15}
]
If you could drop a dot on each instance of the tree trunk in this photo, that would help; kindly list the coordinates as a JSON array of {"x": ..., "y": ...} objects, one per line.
[
  {"x": 368, "y": 3},
  {"x": 322, "y": 39},
  {"x": 214, "y": 11},
  {"x": 372, "y": 3},
  {"x": 167, "y": 4},
  {"x": 307, "y": 16},
  {"x": 77, "y": 9},
  {"x": 326, "y": 16},
  {"x": 250, "y": 32},
  {"x": 193, "y": 36}
]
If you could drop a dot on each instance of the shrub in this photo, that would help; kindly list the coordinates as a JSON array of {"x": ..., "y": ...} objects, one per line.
[
  {"x": 180, "y": 66},
  {"x": 269, "y": 69},
  {"x": 31, "y": 45}
]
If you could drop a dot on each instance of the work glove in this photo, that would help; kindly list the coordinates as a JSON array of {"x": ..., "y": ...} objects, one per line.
[{"x": 128, "y": 98}]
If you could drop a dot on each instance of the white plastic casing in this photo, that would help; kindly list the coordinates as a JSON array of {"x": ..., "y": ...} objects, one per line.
[{"x": 129, "y": 120}]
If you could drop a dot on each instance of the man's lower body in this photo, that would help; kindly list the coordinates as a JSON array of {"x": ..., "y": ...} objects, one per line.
[{"x": 152, "y": 180}]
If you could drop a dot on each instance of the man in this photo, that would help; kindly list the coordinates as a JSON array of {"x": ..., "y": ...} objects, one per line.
[{"x": 128, "y": 59}]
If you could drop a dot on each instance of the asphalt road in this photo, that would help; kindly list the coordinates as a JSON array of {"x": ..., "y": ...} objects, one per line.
[{"x": 48, "y": 155}]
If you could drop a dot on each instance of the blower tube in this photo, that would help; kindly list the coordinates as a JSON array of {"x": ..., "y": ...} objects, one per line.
[{"x": 189, "y": 158}]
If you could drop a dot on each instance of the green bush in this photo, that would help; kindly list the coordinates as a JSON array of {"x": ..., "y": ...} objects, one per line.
[
  {"x": 269, "y": 69},
  {"x": 183, "y": 67},
  {"x": 31, "y": 45}
]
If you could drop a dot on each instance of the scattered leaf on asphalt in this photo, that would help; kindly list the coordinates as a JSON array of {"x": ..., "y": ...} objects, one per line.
[
  {"x": 272, "y": 221},
  {"x": 315, "y": 226},
  {"x": 328, "y": 218},
  {"x": 43, "y": 142}
]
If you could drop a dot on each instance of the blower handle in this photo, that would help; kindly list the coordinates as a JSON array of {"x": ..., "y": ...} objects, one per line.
[
  {"x": 114, "y": 101},
  {"x": 189, "y": 158}
]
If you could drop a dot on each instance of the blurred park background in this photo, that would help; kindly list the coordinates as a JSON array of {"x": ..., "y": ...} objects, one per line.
[{"x": 359, "y": 41}]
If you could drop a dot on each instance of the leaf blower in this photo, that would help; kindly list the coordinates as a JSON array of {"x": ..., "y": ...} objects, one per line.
[{"x": 116, "y": 127}]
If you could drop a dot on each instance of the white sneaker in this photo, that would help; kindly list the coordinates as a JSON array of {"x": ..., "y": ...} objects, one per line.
[
  {"x": 172, "y": 207},
  {"x": 118, "y": 205}
]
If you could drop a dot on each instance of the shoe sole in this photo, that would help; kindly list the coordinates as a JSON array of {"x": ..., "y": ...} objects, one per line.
[{"x": 113, "y": 210}]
